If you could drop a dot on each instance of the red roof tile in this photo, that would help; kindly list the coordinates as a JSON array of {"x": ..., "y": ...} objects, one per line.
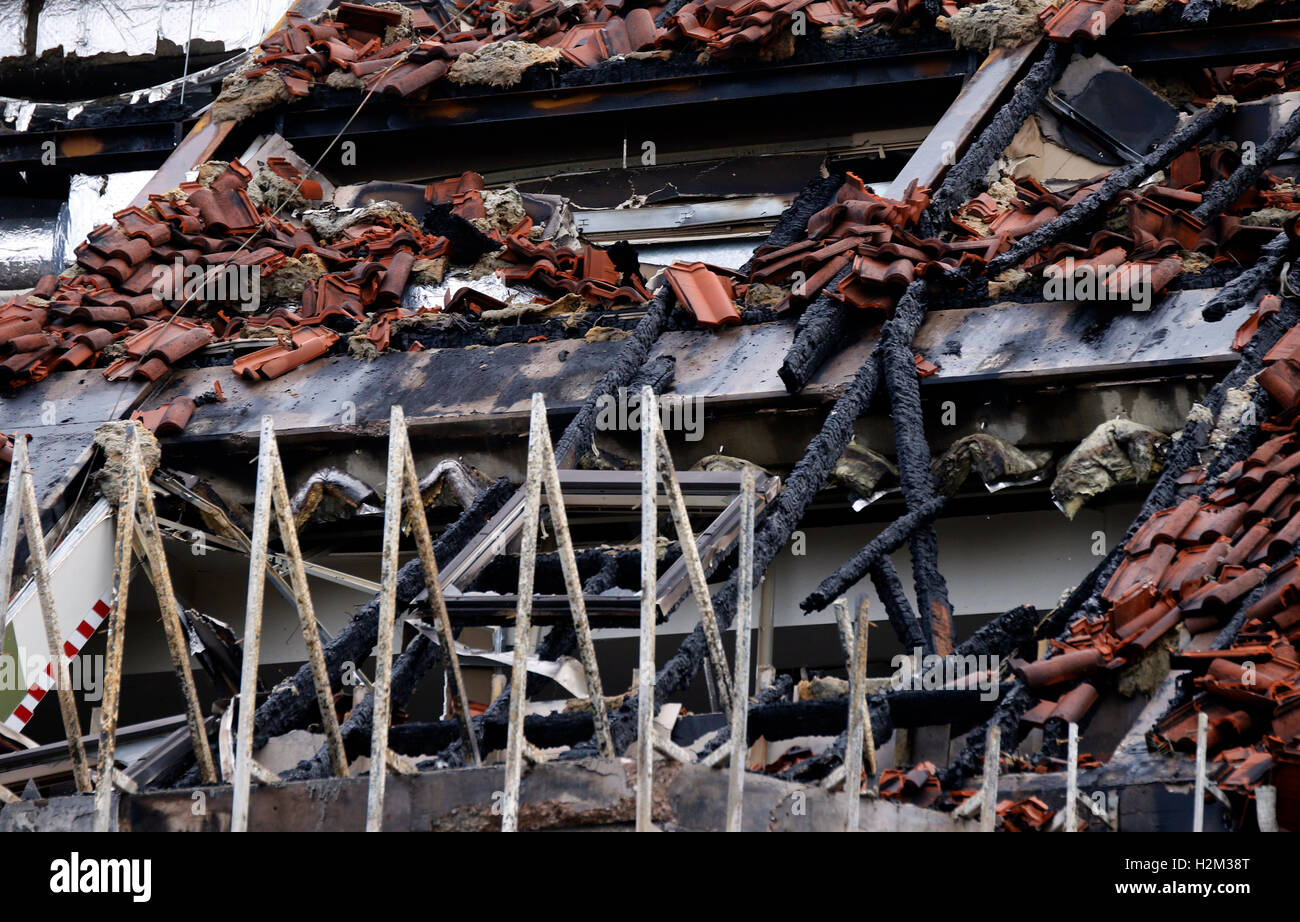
[{"x": 708, "y": 295}]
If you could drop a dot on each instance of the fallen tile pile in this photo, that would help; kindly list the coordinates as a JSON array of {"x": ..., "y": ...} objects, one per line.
[
  {"x": 144, "y": 294},
  {"x": 1157, "y": 229},
  {"x": 1188, "y": 569},
  {"x": 133, "y": 280},
  {"x": 862, "y": 244},
  {"x": 920, "y": 787},
  {"x": 374, "y": 48}
]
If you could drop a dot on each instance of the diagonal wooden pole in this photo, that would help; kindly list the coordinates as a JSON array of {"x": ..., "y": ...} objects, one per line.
[
  {"x": 740, "y": 698},
  {"x": 424, "y": 546},
  {"x": 403, "y": 487},
  {"x": 9, "y": 537},
  {"x": 272, "y": 500},
  {"x": 649, "y": 612},
  {"x": 542, "y": 472},
  {"x": 178, "y": 646},
  {"x": 382, "y": 688},
  {"x": 116, "y": 635},
  {"x": 306, "y": 614},
  {"x": 694, "y": 569},
  {"x": 20, "y": 467}
]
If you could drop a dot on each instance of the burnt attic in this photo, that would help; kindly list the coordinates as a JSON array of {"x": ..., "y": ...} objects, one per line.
[{"x": 772, "y": 443}]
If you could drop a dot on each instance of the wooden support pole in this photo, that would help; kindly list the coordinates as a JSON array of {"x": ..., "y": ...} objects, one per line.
[
  {"x": 573, "y": 583},
  {"x": 252, "y": 634},
  {"x": 1072, "y": 780},
  {"x": 515, "y": 741},
  {"x": 307, "y": 615},
  {"x": 272, "y": 499},
  {"x": 20, "y": 467},
  {"x": 744, "y": 616},
  {"x": 989, "y": 792},
  {"x": 9, "y": 536},
  {"x": 859, "y": 721},
  {"x": 178, "y": 645},
  {"x": 381, "y": 710},
  {"x": 429, "y": 561},
  {"x": 1266, "y": 807},
  {"x": 116, "y": 634},
  {"x": 1198, "y": 805},
  {"x": 862, "y": 644},
  {"x": 695, "y": 570},
  {"x": 649, "y": 612}
]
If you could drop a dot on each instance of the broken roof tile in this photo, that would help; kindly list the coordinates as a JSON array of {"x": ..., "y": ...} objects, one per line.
[
  {"x": 708, "y": 295},
  {"x": 306, "y": 344},
  {"x": 168, "y": 419}
]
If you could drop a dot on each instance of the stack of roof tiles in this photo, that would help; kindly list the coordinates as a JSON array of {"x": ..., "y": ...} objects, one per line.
[
  {"x": 138, "y": 276},
  {"x": 1246, "y": 82},
  {"x": 920, "y": 786},
  {"x": 1157, "y": 224},
  {"x": 585, "y": 33},
  {"x": 352, "y": 42},
  {"x": 589, "y": 272},
  {"x": 861, "y": 239},
  {"x": 723, "y": 26},
  {"x": 134, "y": 304},
  {"x": 1192, "y": 567}
]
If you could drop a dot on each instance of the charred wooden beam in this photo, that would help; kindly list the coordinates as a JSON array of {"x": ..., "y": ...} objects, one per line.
[
  {"x": 914, "y": 469},
  {"x": 770, "y": 718},
  {"x": 1003, "y": 635},
  {"x": 970, "y": 761},
  {"x": 783, "y": 516},
  {"x": 818, "y": 334},
  {"x": 878, "y": 548},
  {"x": 1241, "y": 288},
  {"x": 580, "y": 432},
  {"x": 792, "y": 226},
  {"x": 967, "y": 177},
  {"x": 897, "y": 608},
  {"x": 760, "y": 709},
  {"x": 1223, "y": 193}
]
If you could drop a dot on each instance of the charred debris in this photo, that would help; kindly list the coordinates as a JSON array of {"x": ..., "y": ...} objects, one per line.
[{"x": 880, "y": 341}]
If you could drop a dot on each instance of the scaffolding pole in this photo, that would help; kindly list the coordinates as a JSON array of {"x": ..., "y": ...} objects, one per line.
[
  {"x": 739, "y": 699},
  {"x": 272, "y": 499},
  {"x": 541, "y": 471},
  {"x": 116, "y": 636},
  {"x": 403, "y": 488},
  {"x": 20, "y": 468},
  {"x": 649, "y": 612},
  {"x": 859, "y": 725}
]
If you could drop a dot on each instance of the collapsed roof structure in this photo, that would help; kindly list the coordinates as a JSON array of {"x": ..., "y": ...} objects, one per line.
[{"x": 1015, "y": 309}]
